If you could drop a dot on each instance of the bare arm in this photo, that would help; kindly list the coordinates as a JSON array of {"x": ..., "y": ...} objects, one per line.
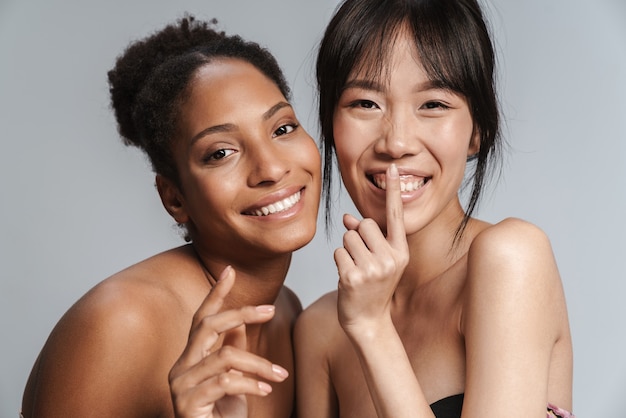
[
  {"x": 370, "y": 266},
  {"x": 514, "y": 315}
]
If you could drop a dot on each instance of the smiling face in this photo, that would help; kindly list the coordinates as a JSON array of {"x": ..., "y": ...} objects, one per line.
[
  {"x": 404, "y": 118},
  {"x": 249, "y": 174}
]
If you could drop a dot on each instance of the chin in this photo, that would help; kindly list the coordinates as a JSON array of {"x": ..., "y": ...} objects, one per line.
[{"x": 301, "y": 238}]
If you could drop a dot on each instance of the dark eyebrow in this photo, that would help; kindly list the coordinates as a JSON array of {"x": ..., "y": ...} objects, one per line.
[
  {"x": 272, "y": 110},
  {"x": 378, "y": 87},
  {"x": 364, "y": 84},
  {"x": 229, "y": 127}
]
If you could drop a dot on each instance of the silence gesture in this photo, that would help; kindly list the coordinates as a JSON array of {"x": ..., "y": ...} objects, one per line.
[{"x": 370, "y": 264}]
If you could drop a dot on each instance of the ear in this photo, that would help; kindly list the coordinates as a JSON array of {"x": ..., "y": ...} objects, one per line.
[
  {"x": 474, "y": 145},
  {"x": 172, "y": 199}
]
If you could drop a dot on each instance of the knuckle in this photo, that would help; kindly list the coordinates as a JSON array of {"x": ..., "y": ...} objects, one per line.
[
  {"x": 226, "y": 353},
  {"x": 374, "y": 270},
  {"x": 224, "y": 380},
  {"x": 388, "y": 265},
  {"x": 367, "y": 223},
  {"x": 403, "y": 260},
  {"x": 352, "y": 277},
  {"x": 350, "y": 236},
  {"x": 204, "y": 322},
  {"x": 177, "y": 385}
]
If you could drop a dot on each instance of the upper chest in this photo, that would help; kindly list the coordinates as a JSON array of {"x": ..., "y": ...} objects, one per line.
[{"x": 430, "y": 335}]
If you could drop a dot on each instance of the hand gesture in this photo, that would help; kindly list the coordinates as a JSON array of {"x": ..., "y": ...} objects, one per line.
[
  {"x": 210, "y": 382},
  {"x": 370, "y": 265}
]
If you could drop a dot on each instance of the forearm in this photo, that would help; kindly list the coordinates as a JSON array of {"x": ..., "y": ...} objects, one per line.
[{"x": 393, "y": 386}]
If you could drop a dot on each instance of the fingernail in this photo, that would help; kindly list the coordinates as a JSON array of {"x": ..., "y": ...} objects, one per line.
[
  {"x": 393, "y": 170},
  {"x": 279, "y": 371},
  {"x": 224, "y": 273},
  {"x": 265, "y": 309},
  {"x": 265, "y": 388}
]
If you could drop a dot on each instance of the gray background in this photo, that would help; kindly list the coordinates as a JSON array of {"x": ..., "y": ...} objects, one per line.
[{"x": 77, "y": 206}]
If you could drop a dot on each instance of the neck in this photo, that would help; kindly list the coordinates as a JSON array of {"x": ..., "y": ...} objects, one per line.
[
  {"x": 257, "y": 281},
  {"x": 433, "y": 251}
]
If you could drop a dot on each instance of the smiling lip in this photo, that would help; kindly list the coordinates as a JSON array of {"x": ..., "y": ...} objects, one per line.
[
  {"x": 408, "y": 183},
  {"x": 277, "y": 206}
]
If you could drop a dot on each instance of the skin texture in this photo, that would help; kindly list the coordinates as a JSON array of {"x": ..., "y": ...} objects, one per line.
[
  {"x": 118, "y": 349},
  {"x": 416, "y": 319}
]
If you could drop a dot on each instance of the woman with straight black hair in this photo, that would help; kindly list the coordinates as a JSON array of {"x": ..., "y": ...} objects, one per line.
[{"x": 437, "y": 313}]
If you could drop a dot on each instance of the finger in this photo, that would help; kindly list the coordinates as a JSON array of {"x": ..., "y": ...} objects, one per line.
[
  {"x": 227, "y": 359},
  {"x": 396, "y": 234},
  {"x": 200, "y": 400},
  {"x": 215, "y": 299},
  {"x": 354, "y": 243},
  {"x": 232, "y": 358},
  {"x": 373, "y": 238},
  {"x": 229, "y": 383},
  {"x": 350, "y": 222},
  {"x": 237, "y": 337},
  {"x": 343, "y": 261},
  {"x": 208, "y": 330}
]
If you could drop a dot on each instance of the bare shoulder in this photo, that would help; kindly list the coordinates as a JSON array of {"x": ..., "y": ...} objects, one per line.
[
  {"x": 144, "y": 294},
  {"x": 114, "y": 333},
  {"x": 290, "y": 300},
  {"x": 511, "y": 263},
  {"x": 512, "y": 245},
  {"x": 514, "y": 315},
  {"x": 288, "y": 306},
  {"x": 319, "y": 320},
  {"x": 135, "y": 305},
  {"x": 322, "y": 309},
  {"x": 510, "y": 234}
]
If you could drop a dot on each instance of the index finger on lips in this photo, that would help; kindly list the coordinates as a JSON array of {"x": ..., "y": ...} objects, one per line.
[{"x": 395, "y": 213}]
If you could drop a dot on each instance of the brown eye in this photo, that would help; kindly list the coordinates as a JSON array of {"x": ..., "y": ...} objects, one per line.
[
  {"x": 219, "y": 154},
  {"x": 285, "y": 129},
  {"x": 434, "y": 105},
  {"x": 364, "y": 104}
]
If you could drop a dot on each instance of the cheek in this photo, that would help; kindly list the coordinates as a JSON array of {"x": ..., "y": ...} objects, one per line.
[
  {"x": 350, "y": 141},
  {"x": 313, "y": 157},
  {"x": 211, "y": 196},
  {"x": 455, "y": 141}
]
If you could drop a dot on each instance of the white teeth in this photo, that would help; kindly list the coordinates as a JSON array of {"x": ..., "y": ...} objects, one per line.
[
  {"x": 279, "y": 206},
  {"x": 405, "y": 186}
]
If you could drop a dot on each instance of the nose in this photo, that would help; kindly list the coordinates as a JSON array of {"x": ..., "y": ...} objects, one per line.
[
  {"x": 399, "y": 136},
  {"x": 267, "y": 163}
]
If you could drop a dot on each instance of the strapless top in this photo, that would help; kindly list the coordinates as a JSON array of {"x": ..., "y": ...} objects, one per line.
[{"x": 450, "y": 407}]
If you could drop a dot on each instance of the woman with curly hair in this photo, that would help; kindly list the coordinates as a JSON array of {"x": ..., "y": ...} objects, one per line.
[{"x": 238, "y": 173}]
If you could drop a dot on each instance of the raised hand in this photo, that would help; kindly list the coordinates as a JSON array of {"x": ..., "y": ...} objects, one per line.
[
  {"x": 211, "y": 380},
  {"x": 370, "y": 264}
]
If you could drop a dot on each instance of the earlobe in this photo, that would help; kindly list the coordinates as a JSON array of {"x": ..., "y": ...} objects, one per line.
[{"x": 172, "y": 199}]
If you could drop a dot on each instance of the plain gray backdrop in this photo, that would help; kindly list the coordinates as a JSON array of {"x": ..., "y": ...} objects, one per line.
[{"x": 77, "y": 206}]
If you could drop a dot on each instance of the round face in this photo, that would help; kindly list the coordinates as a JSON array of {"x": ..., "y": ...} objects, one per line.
[
  {"x": 406, "y": 119},
  {"x": 249, "y": 173}
]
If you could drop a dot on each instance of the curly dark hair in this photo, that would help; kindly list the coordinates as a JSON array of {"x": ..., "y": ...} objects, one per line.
[{"x": 151, "y": 80}]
